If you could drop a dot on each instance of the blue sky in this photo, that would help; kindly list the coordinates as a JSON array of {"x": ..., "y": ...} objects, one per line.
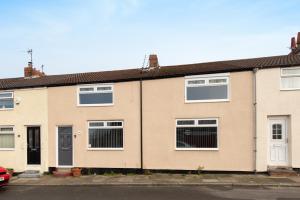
[{"x": 70, "y": 36}]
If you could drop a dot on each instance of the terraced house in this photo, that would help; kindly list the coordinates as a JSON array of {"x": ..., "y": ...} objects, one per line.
[{"x": 237, "y": 115}]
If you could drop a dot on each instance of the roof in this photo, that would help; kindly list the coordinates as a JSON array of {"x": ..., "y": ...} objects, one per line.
[{"x": 162, "y": 72}]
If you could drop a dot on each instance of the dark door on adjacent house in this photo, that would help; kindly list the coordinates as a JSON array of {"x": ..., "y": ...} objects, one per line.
[
  {"x": 33, "y": 146},
  {"x": 65, "y": 146}
]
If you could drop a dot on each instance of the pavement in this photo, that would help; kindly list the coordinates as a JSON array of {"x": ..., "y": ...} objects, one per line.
[
  {"x": 161, "y": 179},
  {"x": 92, "y": 192}
]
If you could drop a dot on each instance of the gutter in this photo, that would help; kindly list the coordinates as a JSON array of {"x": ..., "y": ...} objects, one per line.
[{"x": 255, "y": 70}]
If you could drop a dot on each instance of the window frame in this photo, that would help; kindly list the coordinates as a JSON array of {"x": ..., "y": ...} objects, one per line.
[
  {"x": 287, "y": 76},
  {"x": 105, "y": 126},
  {"x": 95, "y": 86},
  {"x": 12, "y": 133},
  {"x": 197, "y": 125},
  {"x": 206, "y": 79},
  {"x": 12, "y": 97}
]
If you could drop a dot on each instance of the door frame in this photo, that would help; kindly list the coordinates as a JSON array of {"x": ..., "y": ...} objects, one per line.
[
  {"x": 33, "y": 165},
  {"x": 56, "y": 147},
  {"x": 287, "y": 136}
]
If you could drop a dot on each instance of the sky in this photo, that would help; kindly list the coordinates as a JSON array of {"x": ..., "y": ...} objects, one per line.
[{"x": 72, "y": 36}]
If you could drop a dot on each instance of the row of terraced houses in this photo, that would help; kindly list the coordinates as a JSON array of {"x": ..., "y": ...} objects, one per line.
[{"x": 236, "y": 115}]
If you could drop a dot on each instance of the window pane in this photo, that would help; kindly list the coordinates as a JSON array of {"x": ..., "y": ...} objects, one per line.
[
  {"x": 185, "y": 122},
  {"x": 6, "y": 129},
  {"x": 211, "y": 121},
  {"x": 103, "y": 88},
  {"x": 196, "y": 82},
  {"x": 291, "y": 71},
  {"x": 207, "y": 92},
  {"x": 196, "y": 137},
  {"x": 213, "y": 81},
  {"x": 276, "y": 131},
  {"x": 64, "y": 130},
  {"x": 105, "y": 138},
  {"x": 6, "y": 103},
  {"x": 5, "y": 95},
  {"x": 96, "y": 98},
  {"x": 86, "y": 89},
  {"x": 114, "y": 123},
  {"x": 7, "y": 141},
  {"x": 290, "y": 82},
  {"x": 96, "y": 124}
]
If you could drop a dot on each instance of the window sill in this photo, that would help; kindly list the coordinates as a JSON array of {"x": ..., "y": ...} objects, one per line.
[
  {"x": 207, "y": 101},
  {"x": 6, "y": 109},
  {"x": 289, "y": 89},
  {"x": 7, "y": 149},
  {"x": 95, "y": 105},
  {"x": 197, "y": 149},
  {"x": 105, "y": 149}
]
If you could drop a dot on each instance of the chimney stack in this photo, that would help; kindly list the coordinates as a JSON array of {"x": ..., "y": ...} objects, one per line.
[
  {"x": 153, "y": 61},
  {"x": 31, "y": 72},
  {"x": 293, "y": 43},
  {"x": 298, "y": 40}
]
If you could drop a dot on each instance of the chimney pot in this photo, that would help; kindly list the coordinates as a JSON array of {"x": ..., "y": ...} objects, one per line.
[{"x": 153, "y": 61}]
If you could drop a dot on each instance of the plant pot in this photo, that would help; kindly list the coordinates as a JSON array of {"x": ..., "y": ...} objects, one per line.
[
  {"x": 76, "y": 172},
  {"x": 10, "y": 171}
]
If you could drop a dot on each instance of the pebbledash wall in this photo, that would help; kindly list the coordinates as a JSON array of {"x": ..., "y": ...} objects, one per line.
[
  {"x": 30, "y": 109},
  {"x": 164, "y": 102},
  {"x": 274, "y": 101},
  {"x": 63, "y": 110}
]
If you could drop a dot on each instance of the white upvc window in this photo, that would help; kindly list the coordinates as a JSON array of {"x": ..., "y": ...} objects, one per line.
[
  {"x": 105, "y": 135},
  {"x": 95, "y": 95},
  {"x": 207, "y": 88},
  {"x": 197, "y": 134},
  {"x": 290, "y": 78},
  {"x": 6, "y": 100},
  {"x": 7, "y": 138}
]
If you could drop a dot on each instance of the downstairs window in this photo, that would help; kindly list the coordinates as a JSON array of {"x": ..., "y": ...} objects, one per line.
[
  {"x": 196, "y": 134},
  {"x": 7, "y": 137},
  {"x": 105, "y": 135}
]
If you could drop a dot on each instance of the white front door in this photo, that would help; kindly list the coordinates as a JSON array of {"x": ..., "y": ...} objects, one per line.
[{"x": 278, "y": 145}]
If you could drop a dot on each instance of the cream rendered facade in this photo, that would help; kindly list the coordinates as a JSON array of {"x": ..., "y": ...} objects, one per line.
[
  {"x": 64, "y": 111},
  {"x": 30, "y": 110},
  {"x": 164, "y": 102},
  {"x": 274, "y": 102}
]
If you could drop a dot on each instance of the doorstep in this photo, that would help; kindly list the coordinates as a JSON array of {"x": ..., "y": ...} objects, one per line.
[{"x": 163, "y": 180}]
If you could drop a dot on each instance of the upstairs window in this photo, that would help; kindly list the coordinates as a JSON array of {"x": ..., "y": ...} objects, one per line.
[
  {"x": 7, "y": 137},
  {"x": 290, "y": 78},
  {"x": 97, "y": 95},
  {"x": 105, "y": 135},
  {"x": 6, "y": 100},
  {"x": 194, "y": 134},
  {"x": 207, "y": 88}
]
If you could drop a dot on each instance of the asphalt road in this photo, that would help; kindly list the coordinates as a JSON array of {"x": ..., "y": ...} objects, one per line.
[{"x": 145, "y": 193}]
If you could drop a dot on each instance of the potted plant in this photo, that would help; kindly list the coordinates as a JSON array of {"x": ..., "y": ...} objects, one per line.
[
  {"x": 10, "y": 171},
  {"x": 76, "y": 171}
]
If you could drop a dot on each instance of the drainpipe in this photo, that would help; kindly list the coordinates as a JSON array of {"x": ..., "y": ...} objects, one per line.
[
  {"x": 255, "y": 70},
  {"x": 141, "y": 122}
]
